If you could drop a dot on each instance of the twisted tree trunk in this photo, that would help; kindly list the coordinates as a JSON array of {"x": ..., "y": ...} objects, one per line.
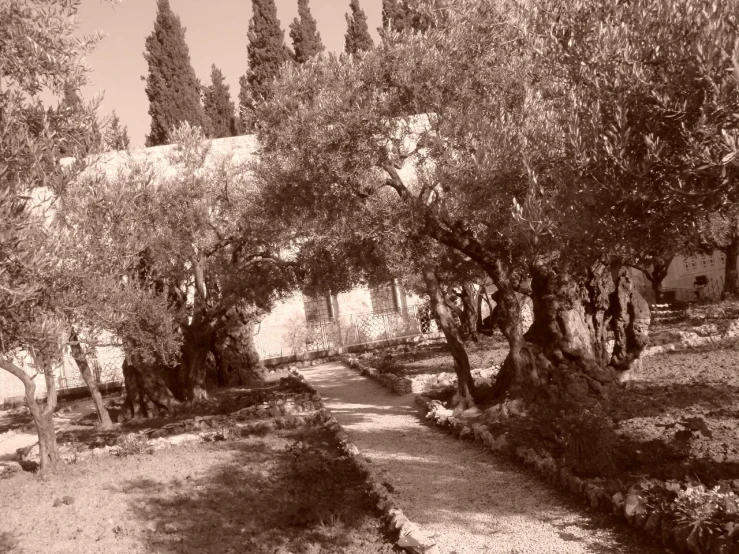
[
  {"x": 465, "y": 383},
  {"x": 81, "y": 360},
  {"x": 148, "y": 393},
  {"x": 235, "y": 342},
  {"x": 566, "y": 352},
  {"x": 43, "y": 417},
  {"x": 193, "y": 370},
  {"x": 470, "y": 310}
]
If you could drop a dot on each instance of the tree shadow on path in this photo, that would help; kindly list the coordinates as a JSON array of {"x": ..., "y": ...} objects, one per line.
[{"x": 470, "y": 499}]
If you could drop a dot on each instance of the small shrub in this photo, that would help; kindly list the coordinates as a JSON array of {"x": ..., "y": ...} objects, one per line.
[
  {"x": 389, "y": 365},
  {"x": 705, "y": 510},
  {"x": 132, "y": 444},
  {"x": 589, "y": 442}
]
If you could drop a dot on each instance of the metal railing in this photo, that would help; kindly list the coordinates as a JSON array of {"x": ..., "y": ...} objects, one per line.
[
  {"x": 347, "y": 330},
  {"x": 106, "y": 365}
]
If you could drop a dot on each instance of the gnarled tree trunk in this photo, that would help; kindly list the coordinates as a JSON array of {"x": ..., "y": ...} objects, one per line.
[
  {"x": 148, "y": 393},
  {"x": 81, "y": 360},
  {"x": 566, "y": 352},
  {"x": 193, "y": 370},
  {"x": 465, "y": 383},
  {"x": 470, "y": 310},
  {"x": 241, "y": 362}
]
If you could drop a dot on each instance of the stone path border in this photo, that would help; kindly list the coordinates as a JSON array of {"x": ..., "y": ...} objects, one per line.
[{"x": 398, "y": 525}]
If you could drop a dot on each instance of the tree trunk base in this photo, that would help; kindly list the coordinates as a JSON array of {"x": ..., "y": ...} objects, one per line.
[
  {"x": 565, "y": 355},
  {"x": 147, "y": 393}
]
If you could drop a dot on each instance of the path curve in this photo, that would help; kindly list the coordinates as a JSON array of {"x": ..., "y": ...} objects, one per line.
[{"x": 467, "y": 499}]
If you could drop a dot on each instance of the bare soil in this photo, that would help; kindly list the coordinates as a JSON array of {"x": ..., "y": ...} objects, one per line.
[
  {"x": 239, "y": 496},
  {"x": 681, "y": 415}
]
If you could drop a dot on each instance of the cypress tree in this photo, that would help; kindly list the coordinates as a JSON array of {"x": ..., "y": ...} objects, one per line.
[
  {"x": 172, "y": 87},
  {"x": 304, "y": 34},
  {"x": 266, "y": 50},
  {"x": 357, "y": 38},
  {"x": 116, "y": 137},
  {"x": 218, "y": 105},
  {"x": 246, "y": 107}
]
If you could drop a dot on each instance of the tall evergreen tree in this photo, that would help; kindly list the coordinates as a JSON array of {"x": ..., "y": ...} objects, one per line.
[
  {"x": 218, "y": 105},
  {"x": 266, "y": 50},
  {"x": 172, "y": 87},
  {"x": 116, "y": 136},
  {"x": 246, "y": 107},
  {"x": 357, "y": 38},
  {"x": 304, "y": 34}
]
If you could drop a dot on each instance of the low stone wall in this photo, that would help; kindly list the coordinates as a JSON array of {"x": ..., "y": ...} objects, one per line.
[
  {"x": 399, "y": 385},
  {"x": 629, "y": 504},
  {"x": 697, "y": 336},
  {"x": 438, "y": 381},
  {"x": 289, "y": 411}
]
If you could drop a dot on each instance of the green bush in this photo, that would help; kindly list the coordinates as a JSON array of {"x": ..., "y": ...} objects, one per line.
[{"x": 589, "y": 441}]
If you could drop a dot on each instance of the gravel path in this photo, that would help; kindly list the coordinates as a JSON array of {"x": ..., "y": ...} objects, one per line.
[{"x": 468, "y": 500}]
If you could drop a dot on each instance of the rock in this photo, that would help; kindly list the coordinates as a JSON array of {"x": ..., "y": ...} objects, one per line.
[
  {"x": 28, "y": 453},
  {"x": 634, "y": 505},
  {"x": 10, "y": 467},
  {"x": 183, "y": 438},
  {"x": 169, "y": 528},
  {"x": 275, "y": 411}
]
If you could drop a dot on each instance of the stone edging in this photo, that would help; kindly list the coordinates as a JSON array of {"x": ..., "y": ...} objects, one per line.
[
  {"x": 631, "y": 506},
  {"x": 399, "y": 385},
  {"x": 397, "y": 523},
  {"x": 301, "y": 408}
]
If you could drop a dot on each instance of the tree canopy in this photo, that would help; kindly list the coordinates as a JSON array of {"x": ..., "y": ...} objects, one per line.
[{"x": 540, "y": 158}]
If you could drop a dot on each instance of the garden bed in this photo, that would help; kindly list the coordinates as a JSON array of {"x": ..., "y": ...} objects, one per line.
[
  {"x": 275, "y": 474},
  {"x": 287, "y": 491},
  {"x": 420, "y": 369}
]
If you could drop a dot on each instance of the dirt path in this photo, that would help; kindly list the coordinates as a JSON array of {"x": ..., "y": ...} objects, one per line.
[{"x": 468, "y": 500}]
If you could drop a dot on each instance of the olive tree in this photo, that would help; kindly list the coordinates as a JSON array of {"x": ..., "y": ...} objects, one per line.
[
  {"x": 550, "y": 136},
  {"x": 37, "y": 52}
]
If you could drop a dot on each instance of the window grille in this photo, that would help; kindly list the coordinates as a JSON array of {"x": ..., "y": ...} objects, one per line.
[
  {"x": 320, "y": 307},
  {"x": 383, "y": 299}
]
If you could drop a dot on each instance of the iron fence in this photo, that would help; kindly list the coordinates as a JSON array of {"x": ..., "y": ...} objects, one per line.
[
  {"x": 106, "y": 365},
  {"x": 347, "y": 330}
]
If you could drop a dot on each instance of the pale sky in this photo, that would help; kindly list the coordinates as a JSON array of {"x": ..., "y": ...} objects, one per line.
[{"x": 216, "y": 33}]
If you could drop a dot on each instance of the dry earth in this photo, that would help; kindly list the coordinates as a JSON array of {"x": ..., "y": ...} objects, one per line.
[{"x": 228, "y": 497}]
